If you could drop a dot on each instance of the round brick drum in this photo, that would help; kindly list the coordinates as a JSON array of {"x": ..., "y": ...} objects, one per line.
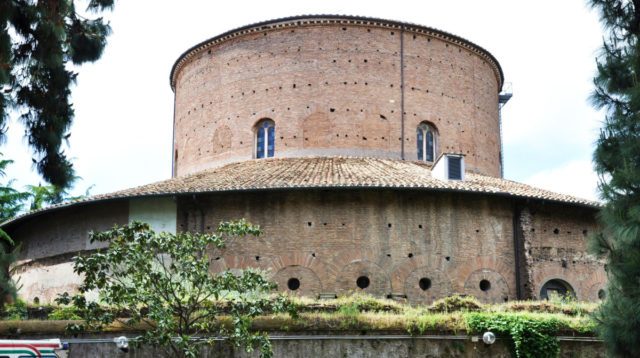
[{"x": 335, "y": 86}]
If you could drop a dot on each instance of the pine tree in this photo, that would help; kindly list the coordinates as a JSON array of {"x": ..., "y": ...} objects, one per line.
[
  {"x": 38, "y": 38},
  {"x": 11, "y": 203},
  {"x": 617, "y": 161}
]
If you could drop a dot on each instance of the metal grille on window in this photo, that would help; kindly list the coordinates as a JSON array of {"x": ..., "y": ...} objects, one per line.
[
  {"x": 455, "y": 168},
  {"x": 420, "y": 144},
  {"x": 426, "y": 142},
  {"x": 260, "y": 144},
  {"x": 265, "y": 139},
  {"x": 429, "y": 147},
  {"x": 271, "y": 140}
]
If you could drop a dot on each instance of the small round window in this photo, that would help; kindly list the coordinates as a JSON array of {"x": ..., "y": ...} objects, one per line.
[
  {"x": 363, "y": 282},
  {"x": 485, "y": 285},
  {"x": 293, "y": 284},
  {"x": 424, "y": 283},
  {"x": 602, "y": 294}
]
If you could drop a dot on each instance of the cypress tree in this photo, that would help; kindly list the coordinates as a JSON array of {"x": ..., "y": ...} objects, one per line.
[
  {"x": 617, "y": 162},
  {"x": 38, "y": 39}
]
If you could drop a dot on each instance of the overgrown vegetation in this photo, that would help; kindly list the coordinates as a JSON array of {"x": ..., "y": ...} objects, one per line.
[
  {"x": 15, "y": 311},
  {"x": 617, "y": 162},
  {"x": 532, "y": 335},
  {"x": 531, "y": 327},
  {"x": 456, "y": 303},
  {"x": 161, "y": 281}
]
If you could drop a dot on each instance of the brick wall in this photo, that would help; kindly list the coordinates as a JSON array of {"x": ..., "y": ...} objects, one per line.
[
  {"x": 420, "y": 245},
  {"x": 329, "y": 239},
  {"x": 335, "y": 89},
  {"x": 557, "y": 239}
]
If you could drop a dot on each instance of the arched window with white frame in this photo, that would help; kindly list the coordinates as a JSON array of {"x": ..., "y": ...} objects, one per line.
[
  {"x": 426, "y": 140},
  {"x": 265, "y": 138}
]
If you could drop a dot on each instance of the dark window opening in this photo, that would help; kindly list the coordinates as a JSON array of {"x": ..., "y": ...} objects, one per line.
[
  {"x": 424, "y": 284},
  {"x": 293, "y": 284},
  {"x": 455, "y": 168},
  {"x": 602, "y": 294},
  {"x": 485, "y": 285},
  {"x": 363, "y": 282},
  {"x": 556, "y": 287}
]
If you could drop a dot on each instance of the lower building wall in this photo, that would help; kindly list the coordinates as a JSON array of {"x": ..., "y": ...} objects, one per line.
[
  {"x": 47, "y": 244},
  {"x": 557, "y": 252},
  {"x": 405, "y": 244},
  {"x": 341, "y": 346}
]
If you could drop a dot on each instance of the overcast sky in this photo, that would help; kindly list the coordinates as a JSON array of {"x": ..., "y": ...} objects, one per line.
[{"x": 121, "y": 136}]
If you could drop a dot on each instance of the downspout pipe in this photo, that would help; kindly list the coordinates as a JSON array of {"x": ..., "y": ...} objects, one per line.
[
  {"x": 402, "y": 111},
  {"x": 174, "y": 157},
  {"x": 517, "y": 247}
]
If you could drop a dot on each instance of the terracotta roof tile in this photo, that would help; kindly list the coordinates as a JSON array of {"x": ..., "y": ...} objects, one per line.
[{"x": 327, "y": 172}]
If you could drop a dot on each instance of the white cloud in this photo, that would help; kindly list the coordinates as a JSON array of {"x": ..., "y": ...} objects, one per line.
[{"x": 574, "y": 178}]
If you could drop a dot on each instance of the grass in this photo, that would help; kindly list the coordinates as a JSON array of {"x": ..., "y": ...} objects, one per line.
[{"x": 366, "y": 313}]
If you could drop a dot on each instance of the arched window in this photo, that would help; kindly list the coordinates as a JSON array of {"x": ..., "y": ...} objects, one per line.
[
  {"x": 265, "y": 138},
  {"x": 558, "y": 288},
  {"x": 426, "y": 139}
]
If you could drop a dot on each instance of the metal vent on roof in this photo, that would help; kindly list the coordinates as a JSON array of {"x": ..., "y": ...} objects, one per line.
[{"x": 455, "y": 168}]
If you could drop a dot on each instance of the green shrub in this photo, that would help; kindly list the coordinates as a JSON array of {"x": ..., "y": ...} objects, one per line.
[
  {"x": 532, "y": 336},
  {"x": 456, "y": 303},
  {"x": 16, "y": 311},
  {"x": 64, "y": 313},
  {"x": 365, "y": 303}
]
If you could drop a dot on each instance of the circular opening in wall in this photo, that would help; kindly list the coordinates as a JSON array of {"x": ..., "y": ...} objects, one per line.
[
  {"x": 485, "y": 285},
  {"x": 602, "y": 294},
  {"x": 293, "y": 284},
  {"x": 424, "y": 284},
  {"x": 363, "y": 282}
]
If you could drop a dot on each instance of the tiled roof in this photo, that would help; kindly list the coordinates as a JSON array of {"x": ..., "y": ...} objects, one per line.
[{"x": 327, "y": 172}]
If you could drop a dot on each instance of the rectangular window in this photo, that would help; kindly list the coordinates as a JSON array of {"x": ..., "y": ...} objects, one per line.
[
  {"x": 260, "y": 144},
  {"x": 429, "y": 149},
  {"x": 271, "y": 141},
  {"x": 420, "y": 144},
  {"x": 455, "y": 168}
]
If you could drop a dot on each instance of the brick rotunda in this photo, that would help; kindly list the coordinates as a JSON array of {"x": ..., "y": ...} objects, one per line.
[{"x": 369, "y": 152}]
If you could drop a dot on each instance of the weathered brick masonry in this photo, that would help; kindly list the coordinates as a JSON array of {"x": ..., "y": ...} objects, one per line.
[
  {"x": 346, "y": 203},
  {"x": 335, "y": 88}
]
